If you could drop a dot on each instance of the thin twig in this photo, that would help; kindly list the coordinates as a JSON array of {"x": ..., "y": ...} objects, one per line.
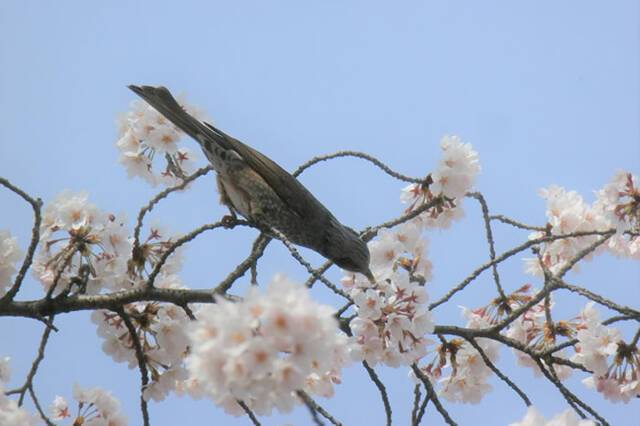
[
  {"x": 296, "y": 255},
  {"x": 248, "y": 412},
  {"x": 244, "y": 266},
  {"x": 36, "y": 205},
  {"x": 605, "y": 235},
  {"x": 383, "y": 390},
  {"x": 416, "y": 405},
  {"x": 569, "y": 396},
  {"x": 261, "y": 239},
  {"x": 66, "y": 261},
  {"x": 36, "y": 402},
  {"x": 432, "y": 395},
  {"x": 625, "y": 310},
  {"x": 423, "y": 406},
  {"x": 312, "y": 404},
  {"x": 499, "y": 373},
  {"x": 28, "y": 383},
  {"x": 361, "y": 155},
  {"x": 489, "y": 233},
  {"x": 508, "y": 221},
  {"x": 179, "y": 242},
  {"x": 155, "y": 200},
  {"x": 142, "y": 363},
  {"x": 321, "y": 270},
  {"x": 504, "y": 256}
]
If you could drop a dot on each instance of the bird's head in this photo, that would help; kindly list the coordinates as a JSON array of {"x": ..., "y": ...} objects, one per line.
[{"x": 347, "y": 250}]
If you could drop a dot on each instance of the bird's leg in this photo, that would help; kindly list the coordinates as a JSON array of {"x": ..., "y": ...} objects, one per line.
[{"x": 229, "y": 220}]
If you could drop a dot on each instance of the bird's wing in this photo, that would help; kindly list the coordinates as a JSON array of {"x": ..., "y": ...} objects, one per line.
[{"x": 288, "y": 188}]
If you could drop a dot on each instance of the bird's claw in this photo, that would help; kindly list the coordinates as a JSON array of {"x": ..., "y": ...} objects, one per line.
[{"x": 229, "y": 221}]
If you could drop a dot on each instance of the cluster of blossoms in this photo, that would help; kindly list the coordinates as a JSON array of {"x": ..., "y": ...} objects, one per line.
[
  {"x": 81, "y": 244},
  {"x": 96, "y": 407},
  {"x": 145, "y": 134},
  {"x": 617, "y": 206},
  {"x": 161, "y": 333},
  {"x": 534, "y": 331},
  {"x": 566, "y": 418},
  {"x": 619, "y": 203},
  {"x": 266, "y": 347},
  {"x": 453, "y": 177},
  {"x": 468, "y": 376},
  {"x": 392, "y": 314},
  {"x": 567, "y": 213},
  {"x": 10, "y": 413},
  {"x": 10, "y": 253},
  {"x": 618, "y": 380}
]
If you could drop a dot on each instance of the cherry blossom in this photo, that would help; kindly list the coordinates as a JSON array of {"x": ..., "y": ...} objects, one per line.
[
  {"x": 468, "y": 373},
  {"x": 59, "y": 408},
  {"x": 619, "y": 203},
  {"x": 144, "y": 135},
  {"x": 76, "y": 238},
  {"x": 161, "y": 331},
  {"x": 566, "y": 418},
  {"x": 532, "y": 329},
  {"x": 10, "y": 413},
  {"x": 450, "y": 181},
  {"x": 5, "y": 370},
  {"x": 615, "y": 364},
  {"x": 264, "y": 348},
  {"x": 96, "y": 407},
  {"x": 567, "y": 213},
  {"x": 392, "y": 321},
  {"x": 9, "y": 255},
  {"x": 616, "y": 207}
]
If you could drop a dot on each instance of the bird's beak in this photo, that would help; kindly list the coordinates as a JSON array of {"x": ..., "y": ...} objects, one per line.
[{"x": 370, "y": 276}]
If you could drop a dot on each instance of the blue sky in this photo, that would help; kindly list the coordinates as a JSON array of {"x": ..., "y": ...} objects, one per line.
[{"x": 547, "y": 92}]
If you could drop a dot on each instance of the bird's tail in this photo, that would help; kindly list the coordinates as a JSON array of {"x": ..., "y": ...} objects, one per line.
[{"x": 161, "y": 99}]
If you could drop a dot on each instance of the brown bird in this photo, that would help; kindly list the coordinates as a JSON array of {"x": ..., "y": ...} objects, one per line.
[{"x": 257, "y": 188}]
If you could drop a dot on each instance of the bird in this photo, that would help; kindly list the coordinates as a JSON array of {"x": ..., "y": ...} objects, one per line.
[{"x": 257, "y": 188}]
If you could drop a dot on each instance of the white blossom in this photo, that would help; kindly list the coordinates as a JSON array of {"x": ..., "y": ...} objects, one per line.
[
  {"x": 74, "y": 235},
  {"x": 5, "y": 370},
  {"x": 161, "y": 331},
  {"x": 615, "y": 364},
  {"x": 392, "y": 320},
  {"x": 264, "y": 348},
  {"x": 96, "y": 407},
  {"x": 567, "y": 213},
  {"x": 596, "y": 342},
  {"x": 59, "y": 409},
  {"x": 457, "y": 169},
  {"x": 566, "y": 418},
  {"x": 446, "y": 186},
  {"x": 10, "y": 413},
  {"x": 532, "y": 330},
  {"x": 619, "y": 203},
  {"x": 467, "y": 381},
  {"x": 392, "y": 315},
  {"x": 144, "y": 135},
  {"x": 9, "y": 255}
]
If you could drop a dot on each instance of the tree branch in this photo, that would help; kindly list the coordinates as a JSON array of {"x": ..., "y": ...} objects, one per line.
[
  {"x": 36, "y": 205},
  {"x": 383, "y": 390}
]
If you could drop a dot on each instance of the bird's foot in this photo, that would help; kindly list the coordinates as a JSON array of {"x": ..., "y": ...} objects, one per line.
[{"x": 229, "y": 221}]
